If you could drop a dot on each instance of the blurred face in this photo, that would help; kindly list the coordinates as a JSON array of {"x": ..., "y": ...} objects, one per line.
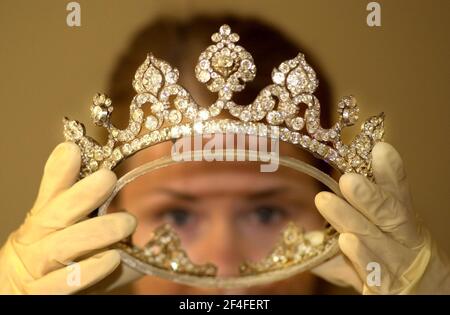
[{"x": 225, "y": 213}]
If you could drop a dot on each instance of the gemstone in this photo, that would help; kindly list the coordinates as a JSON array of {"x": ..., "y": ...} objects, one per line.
[
  {"x": 246, "y": 64},
  {"x": 117, "y": 154},
  {"x": 183, "y": 103},
  {"x": 152, "y": 79},
  {"x": 154, "y": 136},
  {"x": 305, "y": 141},
  {"x": 284, "y": 134},
  {"x": 203, "y": 76},
  {"x": 297, "y": 81},
  {"x": 245, "y": 115},
  {"x": 175, "y": 132},
  {"x": 151, "y": 122},
  {"x": 157, "y": 107},
  {"x": 73, "y": 130},
  {"x": 331, "y": 155},
  {"x": 233, "y": 37},
  {"x": 100, "y": 114},
  {"x": 198, "y": 127},
  {"x": 175, "y": 116},
  {"x": 284, "y": 67},
  {"x": 126, "y": 149},
  {"x": 203, "y": 114},
  {"x": 222, "y": 61},
  {"x": 171, "y": 77},
  {"x": 277, "y": 77},
  {"x": 216, "y": 37},
  {"x": 138, "y": 114},
  {"x": 98, "y": 154},
  {"x": 107, "y": 151},
  {"x": 295, "y": 137},
  {"x": 146, "y": 140},
  {"x": 274, "y": 117},
  {"x": 204, "y": 64},
  {"x": 214, "y": 110},
  {"x": 297, "y": 123},
  {"x": 225, "y": 30},
  {"x": 93, "y": 165},
  {"x": 135, "y": 144},
  {"x": 349, "y": 115},
  {"x": 191, "y": 111}
]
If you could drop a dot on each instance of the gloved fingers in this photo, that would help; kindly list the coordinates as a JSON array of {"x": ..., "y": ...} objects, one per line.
[
  {"x": 80, "y": 200},
  {"x": 339, "y": 271},
  {"x": 365, "y": 262},
  {"x": 343, "y": 217},
  {"x": 68, "y": 207},
  {"x": 389, "y": 171},
  {"x": 77, "y": 276},
  {"x": 60, "y": 172},
  {"x": 382, "y": 208},
  {"x": 78, "y": 240},
  {"x": 346, "y": 219}
]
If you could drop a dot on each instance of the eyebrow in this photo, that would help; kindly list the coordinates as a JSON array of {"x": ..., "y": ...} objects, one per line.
[
  {"x": 177, "y": 194},
  {"x": 270, "y": 192}
]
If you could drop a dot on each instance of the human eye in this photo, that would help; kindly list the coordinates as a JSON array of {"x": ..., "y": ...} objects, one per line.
[
  {"x": 267, "y": 215},
  {"x": 177, "y": 217}
]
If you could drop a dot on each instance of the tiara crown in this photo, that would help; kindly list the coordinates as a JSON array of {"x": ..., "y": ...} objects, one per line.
[{"x": 225, "y": 67}]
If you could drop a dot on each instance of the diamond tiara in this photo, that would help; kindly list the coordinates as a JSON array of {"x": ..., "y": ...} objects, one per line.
[{"x": 224, "y": 67}]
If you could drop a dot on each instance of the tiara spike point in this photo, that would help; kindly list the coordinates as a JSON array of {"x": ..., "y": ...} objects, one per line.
[{"x": 225, "y": 67}]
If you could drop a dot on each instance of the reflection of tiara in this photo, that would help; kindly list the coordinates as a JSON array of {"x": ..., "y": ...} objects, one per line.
[{"x": 225, "y": 67}]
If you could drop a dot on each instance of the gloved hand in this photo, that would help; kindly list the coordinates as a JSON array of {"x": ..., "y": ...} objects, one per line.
[
  {"x": 56, "y": 232},
  {"x": 378, "y": 224}
]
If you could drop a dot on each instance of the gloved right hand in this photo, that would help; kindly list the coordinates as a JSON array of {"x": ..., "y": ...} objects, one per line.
[
  {"x": 379, "y": 226},
  {"x": 56, "y": 232}
]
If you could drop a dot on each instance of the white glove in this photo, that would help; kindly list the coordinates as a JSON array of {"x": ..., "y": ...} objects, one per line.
[
  {"x": 378, "y": 224},
  {"x": 56, "y": 232}
]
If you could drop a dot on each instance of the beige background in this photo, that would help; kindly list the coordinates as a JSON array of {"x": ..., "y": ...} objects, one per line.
[{"x": 49, "y": 70}]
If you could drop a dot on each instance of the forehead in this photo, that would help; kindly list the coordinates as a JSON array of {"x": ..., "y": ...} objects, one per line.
[{"x": 217, "y": 176}]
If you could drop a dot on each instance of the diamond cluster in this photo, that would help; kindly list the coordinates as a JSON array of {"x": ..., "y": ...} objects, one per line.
[
  {"x": 294, "y": 246},
  {"x": 164, "y": 251}
]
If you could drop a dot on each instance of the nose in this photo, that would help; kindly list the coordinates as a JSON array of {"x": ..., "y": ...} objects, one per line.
[{"x": 219, "y": 243}]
